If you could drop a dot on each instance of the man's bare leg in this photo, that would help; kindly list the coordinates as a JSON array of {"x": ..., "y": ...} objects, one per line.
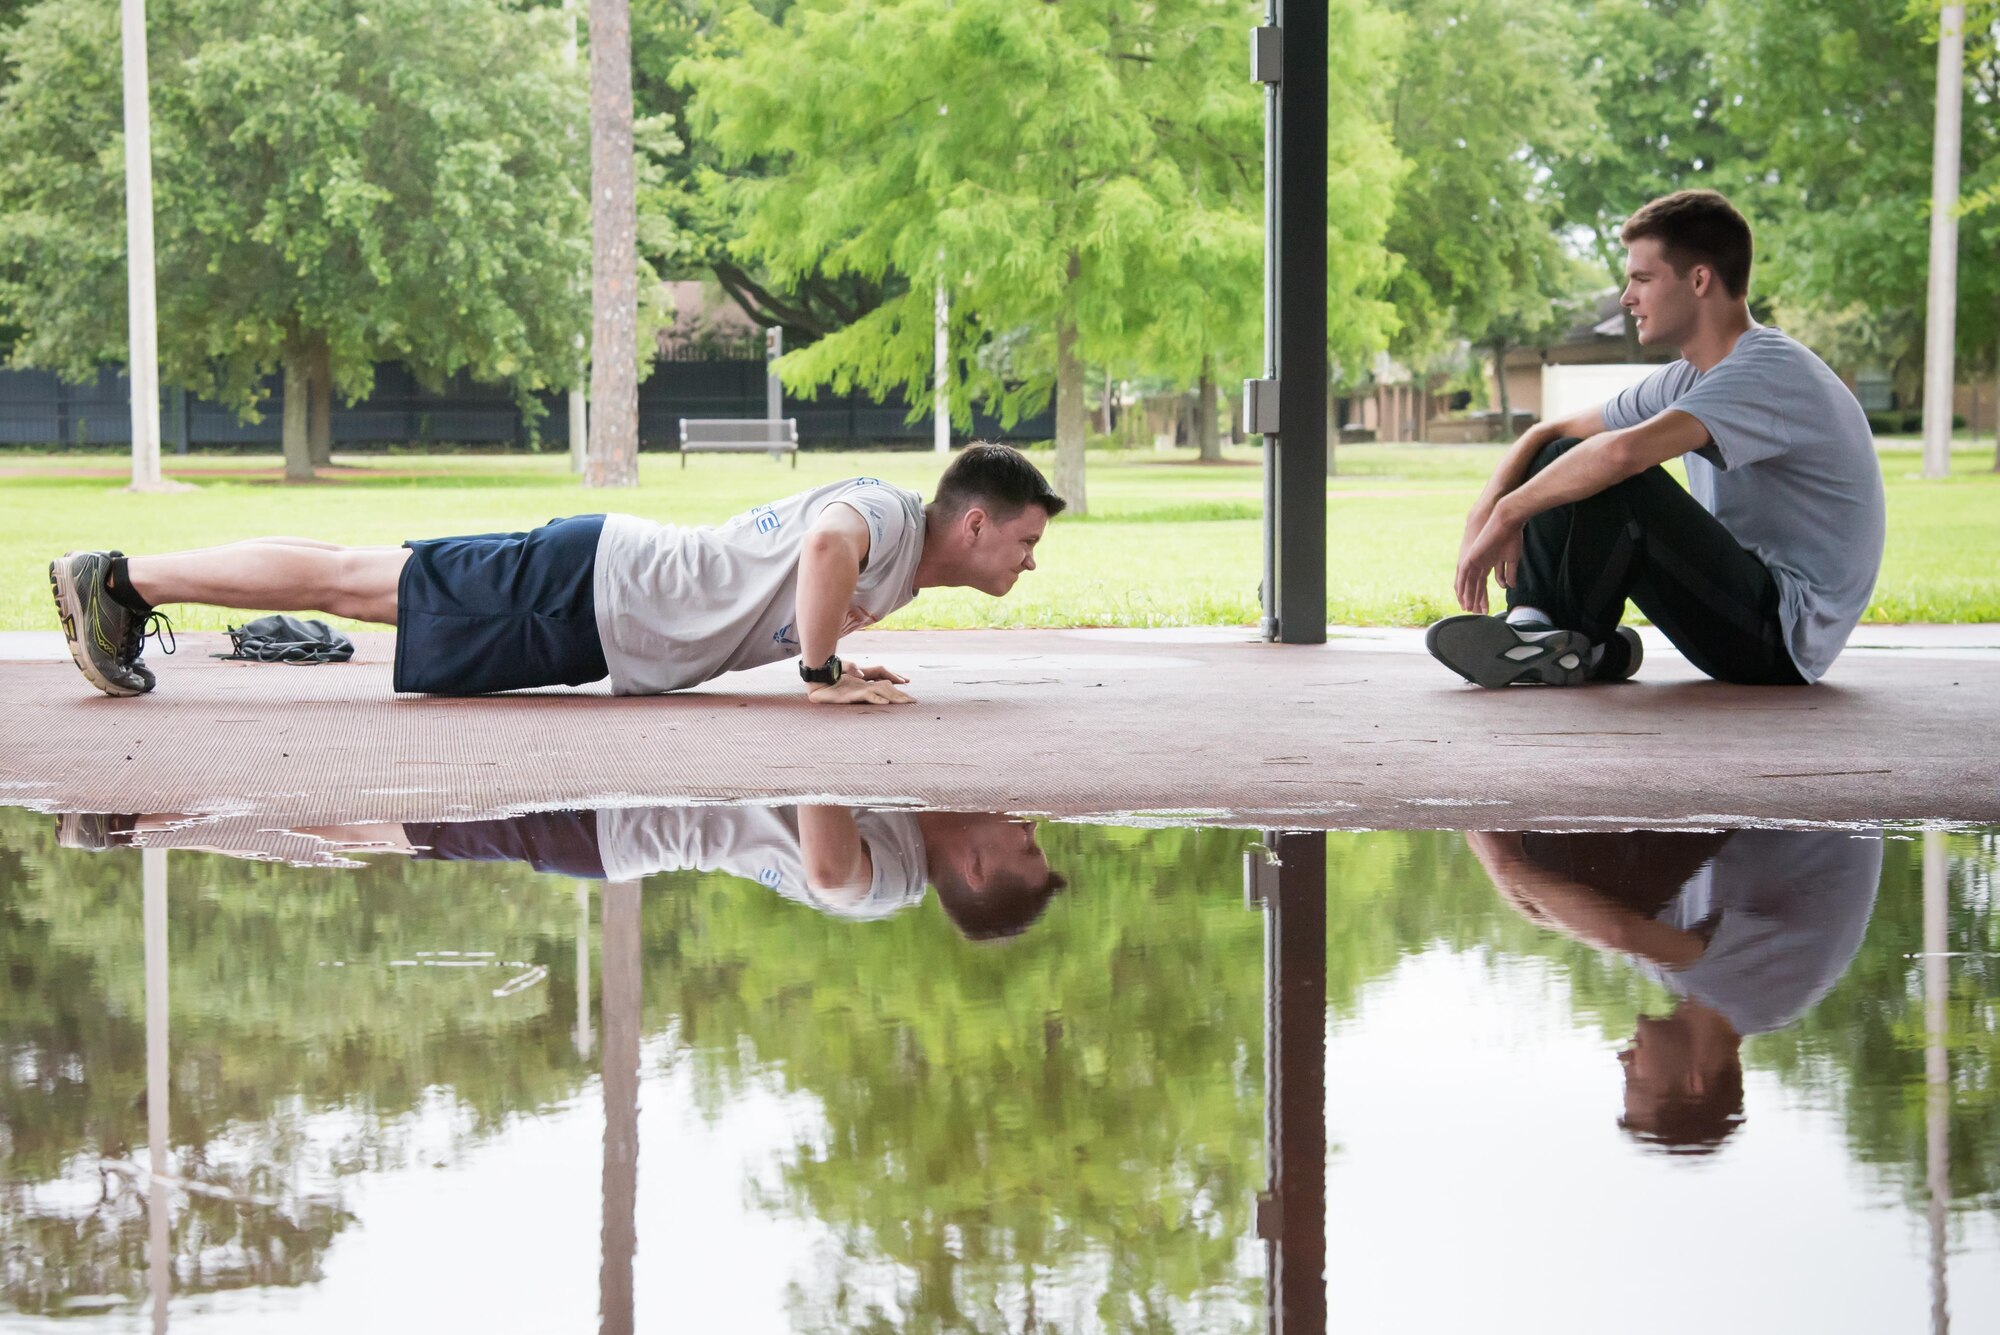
[{"x": 276, "y": 575}]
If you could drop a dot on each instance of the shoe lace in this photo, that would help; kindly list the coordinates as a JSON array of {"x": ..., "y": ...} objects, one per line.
[{"x": 154, "y": 624}]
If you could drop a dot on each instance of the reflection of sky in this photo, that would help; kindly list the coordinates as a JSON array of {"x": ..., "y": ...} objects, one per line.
[
  {"x": 1479, "y": 1181},
  {"x": 508, "y": 1236}
]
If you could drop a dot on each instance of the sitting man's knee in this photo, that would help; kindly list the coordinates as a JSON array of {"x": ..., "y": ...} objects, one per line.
[{"x": 1551, "y": 452}]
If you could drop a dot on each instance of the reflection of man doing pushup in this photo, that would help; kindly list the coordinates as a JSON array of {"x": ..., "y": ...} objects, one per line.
[
  {"x": 1758, "y": 572},
  {"x": 655, "y": 607}
]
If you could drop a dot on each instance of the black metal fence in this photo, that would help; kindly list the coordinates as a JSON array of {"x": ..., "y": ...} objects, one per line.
[{"x": 38, "y": 408}]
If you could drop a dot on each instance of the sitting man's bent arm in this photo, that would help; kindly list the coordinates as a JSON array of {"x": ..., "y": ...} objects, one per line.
[
  {"x": 1603, "y": 460},
  {"x": 1513, "y": 467},
  {"x": 829, "y": 567}
]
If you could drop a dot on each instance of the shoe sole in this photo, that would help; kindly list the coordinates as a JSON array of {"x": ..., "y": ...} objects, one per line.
[
  {"x": 69, "y": 609},
  {"x": 1487, "y": 652}
]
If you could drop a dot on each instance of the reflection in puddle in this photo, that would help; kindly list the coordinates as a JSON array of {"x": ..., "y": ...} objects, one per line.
[{"x": 639, "y": 1065}]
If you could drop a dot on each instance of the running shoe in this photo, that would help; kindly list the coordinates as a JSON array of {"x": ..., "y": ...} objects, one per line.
[
  {"x": 105, "y": 637},
  {"x": 94, "y": 830},
  {"x": 1489, "y": 652}
]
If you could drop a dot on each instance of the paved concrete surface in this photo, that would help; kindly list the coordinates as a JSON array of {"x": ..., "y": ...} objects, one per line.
[{"x": 1196, "y": 724}]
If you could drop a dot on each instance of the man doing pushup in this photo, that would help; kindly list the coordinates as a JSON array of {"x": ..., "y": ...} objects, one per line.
[{"x": 655, "y": 607}]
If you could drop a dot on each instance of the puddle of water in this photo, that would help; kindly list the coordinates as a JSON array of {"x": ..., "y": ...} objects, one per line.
[{"x": 765, "y": 1069}]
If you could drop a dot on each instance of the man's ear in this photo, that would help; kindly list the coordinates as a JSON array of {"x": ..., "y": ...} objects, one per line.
[
  {"x": 975, "y": 521},
  {"x": 1703, "y": 279}
]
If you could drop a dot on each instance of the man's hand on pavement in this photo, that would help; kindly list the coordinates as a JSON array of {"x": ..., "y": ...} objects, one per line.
[
  {"x": 855, "y": 689},
  {"x": 873, "y": 673}
]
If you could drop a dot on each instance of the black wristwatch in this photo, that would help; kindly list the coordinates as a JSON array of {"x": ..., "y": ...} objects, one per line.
[{"x": 826, "y": 674}]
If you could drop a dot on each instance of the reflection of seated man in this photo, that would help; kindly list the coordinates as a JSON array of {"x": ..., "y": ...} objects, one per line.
[
  {"x": 1748, "y": 928},
  {"x": 991, "y": 876}
]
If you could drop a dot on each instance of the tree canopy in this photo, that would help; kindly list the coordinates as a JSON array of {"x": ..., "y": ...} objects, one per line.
[{"x": 337, "y": 182}]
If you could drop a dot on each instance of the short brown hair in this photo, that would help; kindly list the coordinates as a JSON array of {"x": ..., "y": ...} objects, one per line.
[
  {"x": 998, "y": 477},
  {"x": 1697, "y": 227},
  {"x": 1004, "y": 907}
]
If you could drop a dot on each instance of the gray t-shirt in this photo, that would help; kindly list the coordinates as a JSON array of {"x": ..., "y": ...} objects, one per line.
[
  {"x": 680, "y": 606},
  {"x": 1790, "y": 470},
  {"x": 761, "y": 844},
  {"x": 1788, "y": 909}
]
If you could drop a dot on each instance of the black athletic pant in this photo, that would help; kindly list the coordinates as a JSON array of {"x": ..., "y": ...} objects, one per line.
[{"x": 1648, "y": 540}]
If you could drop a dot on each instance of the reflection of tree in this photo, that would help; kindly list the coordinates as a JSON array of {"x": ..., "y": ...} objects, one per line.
[
  {"x": 1863, "y": 1046},
  {"x": 217, "y": 1242},
  {"x": 1068, "y": 1125},
  {"x": 267, "y": 1035}
]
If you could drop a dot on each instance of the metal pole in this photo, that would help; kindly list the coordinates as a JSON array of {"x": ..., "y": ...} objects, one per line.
[
  {"x": 1941, "y": 324},
  {"x": 1291, "y": 1214},
  {"x": 621, "y": 974},
  {"x": 941, "y": 357},
  {"x": 1937, "y": 1068},
  {"x": 774, "y": 392},
  {"x": 583, "y": 1037},
  {"x": 1288, "y": 407},
  {"x": 143, "y": 369},
  {"x": 160, "y": 1252}
]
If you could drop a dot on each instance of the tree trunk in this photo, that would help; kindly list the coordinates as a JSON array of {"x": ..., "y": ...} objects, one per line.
[
  {"x": 1207, "y": 424},
  {"x": 614, "y": 270},
  {"x": 1069, "y": 415},
  {"x": 1631, "y": 338},
  {"x": 319, "y": 402},
  {"x": 1500, "y": 379},
  {"x": 298, "y": 393},
  {"x": 1996, "y": 409}
]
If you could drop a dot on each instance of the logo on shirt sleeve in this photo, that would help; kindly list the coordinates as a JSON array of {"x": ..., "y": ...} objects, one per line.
[{"x": 766, "y": 519}]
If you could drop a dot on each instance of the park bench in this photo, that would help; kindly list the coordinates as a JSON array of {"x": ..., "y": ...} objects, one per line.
[{"x": 739, "y": 435}]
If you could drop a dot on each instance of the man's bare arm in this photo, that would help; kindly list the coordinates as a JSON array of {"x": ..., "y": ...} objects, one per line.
[
  {"x": 1600, "y": 461},
  {"x": 836, "y": 546},
  {"x": 1604, "y": 460},
  {"x": 839, "y": 871},
  {"x": 1512, "y": 469},
  {"x": 1561, "y": 904}
]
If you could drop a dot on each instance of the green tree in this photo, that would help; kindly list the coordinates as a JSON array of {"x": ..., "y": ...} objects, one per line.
[
  {"x": 1841, "y": 95},
  {"x": 337, "y": 181},
  {"x": 1030, "y": 157},
  {"x": 1649, "y": 68},
  {"x": 688, "y": 218},
  {"x": 1477, "y": 227}
]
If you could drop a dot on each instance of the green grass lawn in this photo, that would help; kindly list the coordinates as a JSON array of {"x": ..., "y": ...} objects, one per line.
[{"x": 1167, "y": 542}]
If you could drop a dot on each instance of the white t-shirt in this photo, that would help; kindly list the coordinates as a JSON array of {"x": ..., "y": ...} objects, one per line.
[
  {"x": 1790, "y": 471},
  {"x": 760, "y": 844},
  {"x": 680, "y": 606}
]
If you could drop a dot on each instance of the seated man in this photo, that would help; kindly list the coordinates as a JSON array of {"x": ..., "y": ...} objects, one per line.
[
  {"x": 656, "y": 607},
  {"x": 1760, "y": 575},
  {"x": 1747, "y": 929}
]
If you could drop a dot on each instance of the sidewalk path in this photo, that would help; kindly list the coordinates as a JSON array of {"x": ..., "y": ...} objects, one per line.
[{"x": 1202, "y": 724}]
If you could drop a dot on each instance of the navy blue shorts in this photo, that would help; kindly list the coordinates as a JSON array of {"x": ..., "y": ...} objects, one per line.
[{"x": 500, "y": 611}]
